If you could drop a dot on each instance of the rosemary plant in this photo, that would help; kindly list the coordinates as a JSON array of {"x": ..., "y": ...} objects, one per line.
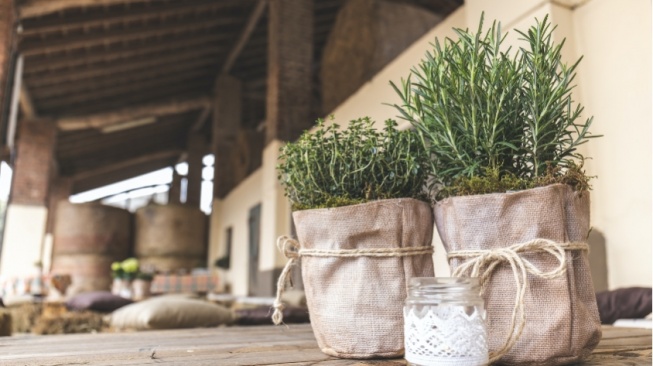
[
  {"x": 489, "y": 117},
  {"x": 333, "y": 167}
]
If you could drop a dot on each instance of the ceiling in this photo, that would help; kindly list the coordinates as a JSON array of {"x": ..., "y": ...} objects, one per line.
[{"x": 86, "y": 59}]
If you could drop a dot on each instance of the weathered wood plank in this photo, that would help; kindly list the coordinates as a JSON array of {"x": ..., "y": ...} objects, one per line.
[
  {"x": 150, "y": 110},
  {"x": 142, "y": 14},
  {"x": 235, "y": 346}
]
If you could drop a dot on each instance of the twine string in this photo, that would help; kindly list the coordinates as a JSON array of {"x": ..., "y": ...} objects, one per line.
[
  {"x": 483, "y": 263},
  {"x": 293, "y": 251}
]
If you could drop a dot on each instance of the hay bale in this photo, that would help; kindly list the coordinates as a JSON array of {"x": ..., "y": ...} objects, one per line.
[
  {"x": 24, "y": 316},
  {"x": 367, "y": 35},
  {"x": 5, "y": 323},
  {"x": 71, "y": 322}
]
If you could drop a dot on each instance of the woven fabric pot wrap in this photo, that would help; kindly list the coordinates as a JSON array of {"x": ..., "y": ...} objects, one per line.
[
  {"x": 529, "y": 248},
  {"x": 356, "y": 262}
]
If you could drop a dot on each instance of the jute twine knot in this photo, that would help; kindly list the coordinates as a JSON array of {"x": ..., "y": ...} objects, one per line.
[
  {"x": 290, "y": 248},
  {"x": 293, "y": 251},
  {"x": 483, "y": 263}
]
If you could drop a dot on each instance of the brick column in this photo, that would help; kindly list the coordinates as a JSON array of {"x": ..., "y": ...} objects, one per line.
[
  {"x": 227, "y": 114},
  {"x": 290, "y": 60},
  {"x": 7, "y": 32},
  {"x": 196, "y": 151},
  {"x": 288, "y": 114},
  {"x": 27, "y": 214}
]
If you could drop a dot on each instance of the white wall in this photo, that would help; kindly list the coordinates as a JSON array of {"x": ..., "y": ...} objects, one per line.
[
  {"x": 23, "y": 240},
  {"x": 233, "y": 211},
  {"x": 615, "y": 81},
  {"x": 614, "y": 85}
]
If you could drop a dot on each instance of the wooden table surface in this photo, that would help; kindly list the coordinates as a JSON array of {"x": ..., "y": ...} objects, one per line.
[{"x": 240, "y": 346}]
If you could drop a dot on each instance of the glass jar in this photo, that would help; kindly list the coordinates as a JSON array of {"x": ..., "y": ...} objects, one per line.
[{"x": 444, "y": 322}]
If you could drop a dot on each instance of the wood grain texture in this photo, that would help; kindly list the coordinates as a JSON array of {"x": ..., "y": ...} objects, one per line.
[{"x": 244, "y": 346}]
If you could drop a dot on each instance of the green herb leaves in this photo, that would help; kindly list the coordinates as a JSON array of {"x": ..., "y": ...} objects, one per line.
[
  {"x": 480, "y": 110},
  {"x": 333, "y": 167}
]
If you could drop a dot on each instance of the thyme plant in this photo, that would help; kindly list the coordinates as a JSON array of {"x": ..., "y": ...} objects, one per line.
[
  {"x": 485, "y": 115},
  {"x": 333, "y": 167}
]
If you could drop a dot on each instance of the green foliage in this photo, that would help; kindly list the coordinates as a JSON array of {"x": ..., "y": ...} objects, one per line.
[
  {"x": 129, "y": 269},
  {"x": 480, "y": 111},
  {"x": 333, "y": 167}
]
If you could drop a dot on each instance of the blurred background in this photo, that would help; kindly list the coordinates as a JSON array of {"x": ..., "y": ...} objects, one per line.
[{"x": 151, "y": 128}]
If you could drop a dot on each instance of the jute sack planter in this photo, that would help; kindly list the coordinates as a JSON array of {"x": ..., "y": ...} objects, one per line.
[
  {"x": 529, "y": 248},
  {"x": 356, "y": 262}
]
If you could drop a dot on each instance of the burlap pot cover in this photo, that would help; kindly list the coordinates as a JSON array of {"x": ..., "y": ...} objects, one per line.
[
  {"x": 355, "y": 303},
  {"x": 561, "y": 318}
]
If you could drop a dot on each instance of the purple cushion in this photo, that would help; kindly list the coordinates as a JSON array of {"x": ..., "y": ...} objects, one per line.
[
  {"x": 102, "y": 301},
  {"x": 624, "y": 303}
]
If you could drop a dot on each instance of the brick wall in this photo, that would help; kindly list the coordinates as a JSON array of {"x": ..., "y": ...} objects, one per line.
[
  {"x": 6, "y": 40},
  {"x": 34, "y": 162}
]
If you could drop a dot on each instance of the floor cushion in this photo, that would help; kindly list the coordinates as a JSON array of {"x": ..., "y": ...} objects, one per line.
[
  {"x": 100, "y": 301},
  {"x": 170, "y": 313}
]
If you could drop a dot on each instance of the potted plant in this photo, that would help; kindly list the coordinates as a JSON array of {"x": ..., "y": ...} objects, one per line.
[
  {"x": 123, "y": 274},
  {"x": 142, "y": 285},
  {"x": 512, "y": 199},
  {"x": 364, "y": 227}
]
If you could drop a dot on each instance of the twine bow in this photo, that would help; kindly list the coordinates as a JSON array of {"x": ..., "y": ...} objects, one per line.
[
  {"x": 293, "y": 251},
  {"x": 290, "y": 248},
  {"x": 483, "y": 263}
]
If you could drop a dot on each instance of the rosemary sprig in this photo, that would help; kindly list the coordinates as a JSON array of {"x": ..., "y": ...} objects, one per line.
[{"x": 484, "y": 114}]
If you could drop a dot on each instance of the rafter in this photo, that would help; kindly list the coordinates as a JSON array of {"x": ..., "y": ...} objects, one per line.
[
  {"x": 170, "y": 83},
  {"x": 133, "y": 98},
  {"x": 133, "y": 80},
  {"x": 137, "y": 33},
  {"x": 26, "y": 103},
  {"x": 206, "y": 56},
  {"x": 127, "y": 114},
  {"x": 253, "y": 20},
  {"x": 122, "y": 174},
  {"x": 136, "y": 51},
  {"x": 39, "y": 8},
  {"x": 145, "y": 14}
]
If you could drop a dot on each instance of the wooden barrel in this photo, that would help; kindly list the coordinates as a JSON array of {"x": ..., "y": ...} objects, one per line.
[
  {"x": 170, "y": 237},
  {"x": 88, "y": 237},
  {"x": 89, "y": 272},
  {"x": 92, "y": 228}
]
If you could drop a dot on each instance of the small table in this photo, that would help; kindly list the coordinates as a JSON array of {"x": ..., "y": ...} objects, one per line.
[{"x": 240, "y": 346}]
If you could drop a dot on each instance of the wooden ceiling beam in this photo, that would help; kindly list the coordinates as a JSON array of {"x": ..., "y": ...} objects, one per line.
[
  {"x": 124, "y": 141},
  {"x": 39, "y": 8},
  {"x": 119, "y": 175},
  {"x": 201, "y": 119},
  {"x": 131, "y": 79},
  {"x": 246, "y": 33},
  {"x": 86, "y": 155},
  {"x": 126, "y": 114},
  {"x": 72, "y": 139},
  {"x": 206, "y": 56},
  {"x": 134, "y": 98},
  {"x": 122, "y": 90},
  {"x": 144, "y": 14},
  {"x": 26, "y": 104},
  {"x": 213, "y": 24},
  {"x": 135, "y": 52}
]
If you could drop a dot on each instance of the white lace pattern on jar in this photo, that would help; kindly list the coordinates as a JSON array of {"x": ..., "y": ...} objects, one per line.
[{"x": 447, "y": 335}]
